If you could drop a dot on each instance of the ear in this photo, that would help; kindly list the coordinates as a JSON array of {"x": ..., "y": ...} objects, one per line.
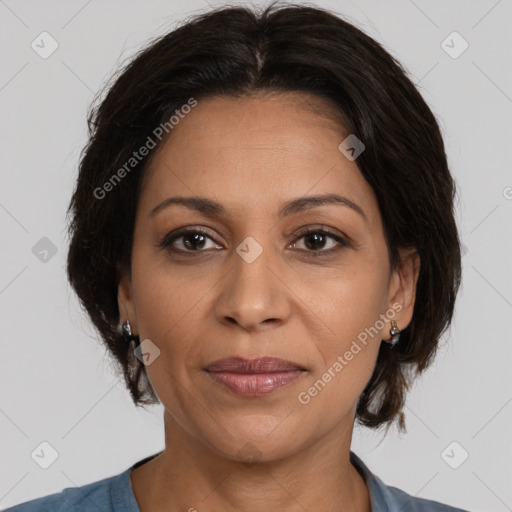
[
  {"x": 126, "y": 303},
  {"x": 403, "y": 284}
]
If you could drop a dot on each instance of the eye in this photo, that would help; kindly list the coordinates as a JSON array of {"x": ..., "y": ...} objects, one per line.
[
  {"x": 315, "y": 241},
  {"x": 191, "y": 240},
  {"x": 195, "y": 241}
]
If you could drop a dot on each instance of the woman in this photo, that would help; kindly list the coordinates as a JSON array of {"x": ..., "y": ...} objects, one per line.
[{"x": 262, "y": 232}]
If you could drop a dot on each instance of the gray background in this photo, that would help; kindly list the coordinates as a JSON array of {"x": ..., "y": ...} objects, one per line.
[{"x": 57, "y": 384}]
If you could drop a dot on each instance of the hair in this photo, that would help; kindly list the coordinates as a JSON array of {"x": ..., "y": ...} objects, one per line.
[{"x": 238, "y": 51}]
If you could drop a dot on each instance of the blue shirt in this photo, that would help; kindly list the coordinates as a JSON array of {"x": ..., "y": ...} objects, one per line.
[{"x": 115, "y": 494}]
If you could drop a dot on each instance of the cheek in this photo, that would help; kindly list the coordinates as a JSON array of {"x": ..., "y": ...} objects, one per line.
[
  {"x": 347, "y": 355},
  {"x": 164, "y": 295},
  {"x": 168, "y": 318},
  {"x": 351, "y": 306},
  {"x": 168, "y": 311}
]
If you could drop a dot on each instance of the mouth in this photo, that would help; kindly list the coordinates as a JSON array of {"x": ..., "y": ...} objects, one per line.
[{"x": 254, "y": 377}]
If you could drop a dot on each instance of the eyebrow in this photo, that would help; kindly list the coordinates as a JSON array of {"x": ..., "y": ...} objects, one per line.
[{"x": 213, "y": 208}]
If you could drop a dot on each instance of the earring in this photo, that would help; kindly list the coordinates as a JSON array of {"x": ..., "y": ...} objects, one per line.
[
  {"x": 395, "y": 334},
  {"x": 127, "y": 331}
]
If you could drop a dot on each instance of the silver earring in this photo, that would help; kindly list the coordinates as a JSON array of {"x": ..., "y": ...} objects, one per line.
[
  {"x": 395, "y": 334},
  {"x": 127, "y": 330}
]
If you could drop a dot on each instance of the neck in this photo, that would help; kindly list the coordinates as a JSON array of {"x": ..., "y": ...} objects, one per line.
[{"x": 188, "y": 475}]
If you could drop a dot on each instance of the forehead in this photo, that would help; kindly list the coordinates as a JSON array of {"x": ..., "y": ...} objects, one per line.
[{"x": 252, "y": 152}]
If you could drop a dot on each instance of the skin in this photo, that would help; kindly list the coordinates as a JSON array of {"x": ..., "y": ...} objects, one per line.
[{"x": 252, "y": 154}]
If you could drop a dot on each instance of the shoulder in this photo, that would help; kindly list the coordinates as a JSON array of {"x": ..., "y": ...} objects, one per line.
[
  {"x": 400, "y": 500},
  {"x": 386, "y": 498},
  {"x": 99, "y": 495}
]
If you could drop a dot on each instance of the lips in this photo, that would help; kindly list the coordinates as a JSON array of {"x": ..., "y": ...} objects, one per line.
[
  {"x": 254, "y": 377},
  {"x": 259, "y": 365}
]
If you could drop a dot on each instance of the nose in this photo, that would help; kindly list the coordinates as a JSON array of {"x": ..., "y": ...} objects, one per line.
[{"x": 254, "y": 294}]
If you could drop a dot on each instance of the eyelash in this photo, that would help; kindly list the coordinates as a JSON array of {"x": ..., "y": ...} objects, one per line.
[{"x": 167, "y": 241}]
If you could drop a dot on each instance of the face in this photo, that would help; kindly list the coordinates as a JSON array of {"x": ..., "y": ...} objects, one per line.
[{"x": 242, "y": 278}]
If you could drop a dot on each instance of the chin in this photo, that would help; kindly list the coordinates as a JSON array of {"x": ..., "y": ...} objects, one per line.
[{"x": 265, "y": 441}]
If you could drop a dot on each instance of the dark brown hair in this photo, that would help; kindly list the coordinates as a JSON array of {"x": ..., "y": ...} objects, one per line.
[{"x": 237, "y": 51}]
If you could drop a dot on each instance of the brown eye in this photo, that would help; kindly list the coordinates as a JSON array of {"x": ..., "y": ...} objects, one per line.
[
  {"x": 191, "y": 240},
  {"x": 315, "y": 241},
  {"x": 195, "y": 241}
]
